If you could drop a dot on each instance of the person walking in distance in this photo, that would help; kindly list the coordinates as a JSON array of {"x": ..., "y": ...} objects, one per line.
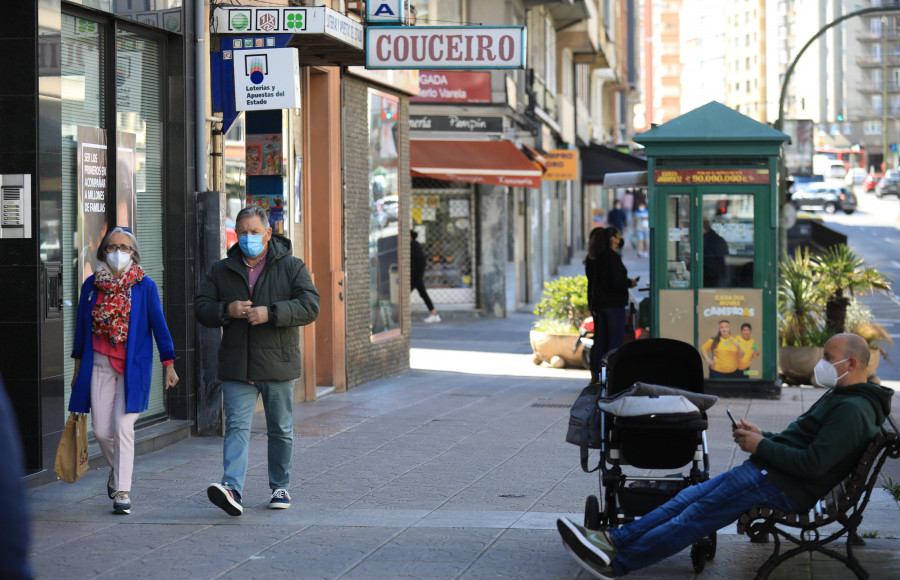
[
  {"x": 118, "y": 309},
  {"x": 260, "y": 295},
  {"x": 417, "y": 275}
]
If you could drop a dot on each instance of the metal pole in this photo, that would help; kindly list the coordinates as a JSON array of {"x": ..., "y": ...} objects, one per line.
[
  {"x": 201, "y": 53},
  {"x": 885, "y": 150},
  {"x": 790, "y": 70}
]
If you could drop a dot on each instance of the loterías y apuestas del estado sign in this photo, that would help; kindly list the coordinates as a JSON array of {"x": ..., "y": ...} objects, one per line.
[{"x": 447, "y": 47}]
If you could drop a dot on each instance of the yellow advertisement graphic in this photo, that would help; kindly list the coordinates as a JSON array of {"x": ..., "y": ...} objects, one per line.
[{"x": 730, "y": 331}]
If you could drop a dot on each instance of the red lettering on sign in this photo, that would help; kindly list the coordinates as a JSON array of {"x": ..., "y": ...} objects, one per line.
[
  {"x": 453, "y": 47},
  {"x": 382, "y": 48},
  {"x": 434, "y": 54},
  {"x": 401, "y": 48},
  {"x": 418, "y": 48},
  {"x": 484, "y": 47},
  {"x": 507, "y": 47}
]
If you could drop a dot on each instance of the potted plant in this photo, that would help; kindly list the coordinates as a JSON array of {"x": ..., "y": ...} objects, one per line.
[
  {"x": 859, "y": 320},
  {"x": 562, "y": 308},
  {"x": 843, "y": 274},
  {"x": 814, "y": 296},
  {"x": 802, "y": 327}
]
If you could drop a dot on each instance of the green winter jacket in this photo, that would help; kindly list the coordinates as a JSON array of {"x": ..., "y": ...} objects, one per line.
[
  {"x": 824, "y": 444},
  {"x": 265, "y": 352}
]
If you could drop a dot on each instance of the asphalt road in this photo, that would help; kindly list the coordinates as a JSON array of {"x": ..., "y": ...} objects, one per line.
[{"x": 873, "y": 231}]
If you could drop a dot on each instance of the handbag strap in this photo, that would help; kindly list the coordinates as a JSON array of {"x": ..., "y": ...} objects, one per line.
[{"x": 585, "y": 450}]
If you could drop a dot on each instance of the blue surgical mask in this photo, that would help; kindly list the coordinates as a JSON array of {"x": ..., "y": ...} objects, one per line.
[{"x": 251, "y": 245}]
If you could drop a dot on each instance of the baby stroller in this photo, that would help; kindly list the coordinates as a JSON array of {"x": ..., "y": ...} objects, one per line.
[{"x": 645, "y": 369}]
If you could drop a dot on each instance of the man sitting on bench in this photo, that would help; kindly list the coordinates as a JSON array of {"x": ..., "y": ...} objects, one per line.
[{"x": 787, "y": 471}]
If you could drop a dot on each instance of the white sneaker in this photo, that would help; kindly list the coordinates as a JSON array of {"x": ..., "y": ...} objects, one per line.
[{"x": 433, "y": 318}]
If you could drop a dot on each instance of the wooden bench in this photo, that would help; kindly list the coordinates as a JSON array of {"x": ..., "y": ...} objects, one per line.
[{"x": 843, "y": 505}]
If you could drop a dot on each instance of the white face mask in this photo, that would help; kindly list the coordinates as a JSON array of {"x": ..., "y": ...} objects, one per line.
[
  {"x": 826, "y": 374},
  {"x": 118, "y": 260}
]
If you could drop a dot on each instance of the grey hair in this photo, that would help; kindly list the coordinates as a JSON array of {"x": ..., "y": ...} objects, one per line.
[
  {"x": 132, "y": 241},
  {"x": 253, "y": 211}
]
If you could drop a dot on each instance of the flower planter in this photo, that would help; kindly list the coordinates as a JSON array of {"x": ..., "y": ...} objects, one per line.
[
  {"x": 555, "y": 349},
  {"x": 796, "y": 363},
  {"x": 874, "y": 359}
]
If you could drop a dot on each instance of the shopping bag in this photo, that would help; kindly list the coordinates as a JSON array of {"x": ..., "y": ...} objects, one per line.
[
  {"x": 584, "y": 423},
  {"x": 72, "y": 453}
]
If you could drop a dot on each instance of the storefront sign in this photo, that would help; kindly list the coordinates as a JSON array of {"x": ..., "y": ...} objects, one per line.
[
  {"x": 562, "y": 165},
  {"x": 734, "y": 317},
  {"x": 449, "y": 47},
  {"x": 441, "y": 86},
  {"x": 385, "y": 11},
  {"x": 266, "y": 79},
  {"x": 312, "y": 20},
  {"x": 455, "y": 123},
  {"x": 713, "y": 176}
]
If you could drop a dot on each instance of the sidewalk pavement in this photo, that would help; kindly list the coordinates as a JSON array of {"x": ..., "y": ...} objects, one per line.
[{"x": 455, "y": 469}]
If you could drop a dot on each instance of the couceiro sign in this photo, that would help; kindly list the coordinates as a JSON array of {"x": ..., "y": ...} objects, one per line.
[{"x": 447, "y": 47}]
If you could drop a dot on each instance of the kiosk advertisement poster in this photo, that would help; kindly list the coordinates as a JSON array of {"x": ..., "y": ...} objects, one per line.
[
  {"x": 263, "y": 156},
  {"x": 729, "y": 331},
  {"x": 92, "y": 196}
]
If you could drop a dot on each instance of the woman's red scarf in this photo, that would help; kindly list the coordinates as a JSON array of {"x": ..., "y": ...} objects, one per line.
[{"x": 111, "y": 316}]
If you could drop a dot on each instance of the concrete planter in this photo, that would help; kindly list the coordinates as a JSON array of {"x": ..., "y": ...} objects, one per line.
[
  {"x": 555, "y": 349},
  {"x": 796, "y": 363}
]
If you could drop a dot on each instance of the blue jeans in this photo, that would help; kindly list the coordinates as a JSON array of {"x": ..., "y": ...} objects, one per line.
[
  {"x": 240, "y": 402},
  {"x": 609, "y": 330},
  {"x": 696, "y": 512}
]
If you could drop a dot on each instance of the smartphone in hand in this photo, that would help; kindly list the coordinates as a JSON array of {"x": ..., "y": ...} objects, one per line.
[{"x": 730, "y": 416}]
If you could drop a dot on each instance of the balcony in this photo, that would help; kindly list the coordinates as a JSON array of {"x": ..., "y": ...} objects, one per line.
[
  {"x": 892, "y": 35},
  {"x": 873, "y": 87},
  {"x": 876, "y": 61}
]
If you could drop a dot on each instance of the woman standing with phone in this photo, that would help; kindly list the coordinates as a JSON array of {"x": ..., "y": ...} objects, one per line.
[{"x": 608, "y": 285}]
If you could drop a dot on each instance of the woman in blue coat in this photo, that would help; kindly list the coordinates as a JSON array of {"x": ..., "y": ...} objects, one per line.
[{"x": 113, "y": 352}]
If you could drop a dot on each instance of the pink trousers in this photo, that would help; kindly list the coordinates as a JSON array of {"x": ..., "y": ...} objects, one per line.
[{"x": 113, "y": 427}]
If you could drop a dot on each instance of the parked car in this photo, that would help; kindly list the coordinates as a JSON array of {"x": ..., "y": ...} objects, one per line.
[
  {"x": 836, "y": 171},
  {"x": 871, "y": 181},
  {"x": 830, "y": 198},
  {"x": 855, "y": 176},
  {"x": 889, "y": 184}
]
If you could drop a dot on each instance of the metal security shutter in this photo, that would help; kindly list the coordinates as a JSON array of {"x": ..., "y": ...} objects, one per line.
[
  {"x": 83, "y": 77},
  {"x": 140, "y": 112}
]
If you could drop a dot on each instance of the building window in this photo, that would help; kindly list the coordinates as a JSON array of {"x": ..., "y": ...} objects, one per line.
[
  {"x": 877, "y": 104},
  {"x": 872, "y": 127},
  {"x": 384, "y": 204}
]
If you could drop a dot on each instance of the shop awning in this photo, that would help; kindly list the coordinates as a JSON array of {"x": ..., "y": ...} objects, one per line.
[
  {"x": 597, "y": 161},
  {"x": 488, "y": 162}
]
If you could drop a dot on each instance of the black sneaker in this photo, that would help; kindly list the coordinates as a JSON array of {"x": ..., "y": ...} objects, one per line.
[
  {"x": 227, "y": 499},
  {"x": 121, "y": 503}
]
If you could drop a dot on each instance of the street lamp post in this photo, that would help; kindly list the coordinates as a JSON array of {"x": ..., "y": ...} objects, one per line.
[{"x": 885, "y": 149}]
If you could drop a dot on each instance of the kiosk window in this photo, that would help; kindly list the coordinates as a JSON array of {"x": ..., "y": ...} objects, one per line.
[
  {"x": 728, "y": 244},
  {"x": 678, "y": 241}
]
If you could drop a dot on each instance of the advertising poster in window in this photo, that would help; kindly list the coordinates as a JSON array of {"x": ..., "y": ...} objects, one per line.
[
  {"x": 729, "y": 332},
  {"x": 274, "y": 205},
  {"x": 92, "y": 196},
  {"x": 264, "y": 154},
  {"x": 125, "y": 179}
]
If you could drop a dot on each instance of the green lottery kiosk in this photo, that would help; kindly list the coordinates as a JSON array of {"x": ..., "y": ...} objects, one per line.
[{"x": 713, "y": 191}]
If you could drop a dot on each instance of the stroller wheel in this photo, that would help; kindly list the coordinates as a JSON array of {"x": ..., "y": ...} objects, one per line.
[
  {"x": 711, "y": 548},
  {"x": 698, "y": 557},
  {"x": 592, "y": 513}
]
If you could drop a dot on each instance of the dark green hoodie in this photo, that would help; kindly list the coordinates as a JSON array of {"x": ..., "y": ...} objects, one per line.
[{"x": 823, "y": 445}]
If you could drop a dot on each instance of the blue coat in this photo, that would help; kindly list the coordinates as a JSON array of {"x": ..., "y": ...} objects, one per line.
[{"x": 146, "y": 315}]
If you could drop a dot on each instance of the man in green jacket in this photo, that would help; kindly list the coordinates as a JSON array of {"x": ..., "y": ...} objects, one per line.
[
  {"x": 259, "y": 295},
  {"x": 786, "y": 471}
]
